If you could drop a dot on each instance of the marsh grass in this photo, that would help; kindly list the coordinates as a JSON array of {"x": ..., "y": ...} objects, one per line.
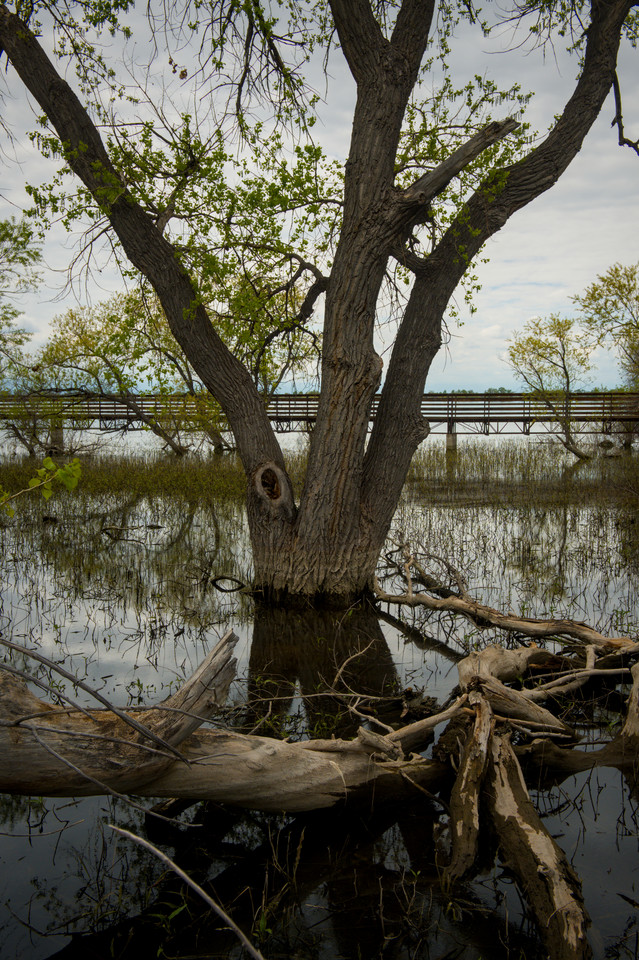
[
  {"x": 481, "y": 471},
  {"x": 207, "y": 480},
  {"x": 502, "y": 472}
]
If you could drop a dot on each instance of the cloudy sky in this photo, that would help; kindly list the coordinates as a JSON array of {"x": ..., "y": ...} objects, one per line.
[{"x": 547, "y": 252}]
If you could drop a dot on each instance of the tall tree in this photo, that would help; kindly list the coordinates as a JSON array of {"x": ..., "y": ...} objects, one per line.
[
  {"x": 609, "y": 308},
  {"x": 553, "y": 357},
  {"x": 326, "y": 545},
  {"x": 19, "y": 256}
]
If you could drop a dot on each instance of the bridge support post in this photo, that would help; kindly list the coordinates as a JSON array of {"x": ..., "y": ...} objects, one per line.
[
  {"x": 451, "y": 439},
  {"x": 55, "y": 446}
]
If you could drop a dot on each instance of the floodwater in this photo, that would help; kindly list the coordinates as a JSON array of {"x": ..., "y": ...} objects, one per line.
[{"x": 124, "y": 592}]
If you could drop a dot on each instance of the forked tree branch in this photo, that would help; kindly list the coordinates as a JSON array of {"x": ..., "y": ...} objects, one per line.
[{"x": 618, "y": 118}]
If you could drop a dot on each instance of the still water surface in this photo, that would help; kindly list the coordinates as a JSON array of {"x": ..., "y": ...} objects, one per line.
[{"x": 123, "y": 591}]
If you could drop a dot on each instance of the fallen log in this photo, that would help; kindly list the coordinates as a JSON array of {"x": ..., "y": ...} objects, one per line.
[
  {"x": 61, "y": 751},
  {"x": 504, "y": 665},
  {"x": 551, "y": 887},
  {"x": 513, "y": 705},
  {"x": 70, "y": 749}
]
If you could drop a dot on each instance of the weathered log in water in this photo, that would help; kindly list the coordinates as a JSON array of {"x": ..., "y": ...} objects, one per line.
[
  {"x": 543, "y": 872},
  {"x": 57, "y": 751}
]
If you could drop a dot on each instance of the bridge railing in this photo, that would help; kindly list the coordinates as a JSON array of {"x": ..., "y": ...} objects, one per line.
[{"x": 484, "y": 412}]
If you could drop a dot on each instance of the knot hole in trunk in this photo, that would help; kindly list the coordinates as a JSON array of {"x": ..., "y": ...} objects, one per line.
[
  {"x": 270, "y": 483},
  {"x": 273, "y": 488}
]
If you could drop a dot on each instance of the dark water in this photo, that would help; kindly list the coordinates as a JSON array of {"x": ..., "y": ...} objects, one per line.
[{"x": 123, "y": 592}]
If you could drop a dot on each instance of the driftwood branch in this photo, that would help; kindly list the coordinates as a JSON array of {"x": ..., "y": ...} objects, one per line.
[
  {"x": 246, "y": 943},
  {"x": 488, "y": 616}
]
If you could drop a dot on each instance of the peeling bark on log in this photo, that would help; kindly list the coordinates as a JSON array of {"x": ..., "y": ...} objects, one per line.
[
  {"x": 65, "y": 752},
  {"x": 486, "y": 670},
  {"x": 98, "y": 745},
  {"x": 265, "y": 774},
  {"x": 550, "y": 885},
  {"x": 464, "y": 801},
  {"x": 504, "y": 665},
  {"x": 631, "y": 726},
  {"x": 512, "y": 704}
]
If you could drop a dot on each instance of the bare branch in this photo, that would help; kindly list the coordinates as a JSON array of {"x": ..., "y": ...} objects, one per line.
[{"x": 618, "y": 118}]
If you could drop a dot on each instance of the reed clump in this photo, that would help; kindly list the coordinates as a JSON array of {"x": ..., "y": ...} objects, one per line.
[
  {"x": 480, "y": 471},
  {"x": 211, "y": 479}
]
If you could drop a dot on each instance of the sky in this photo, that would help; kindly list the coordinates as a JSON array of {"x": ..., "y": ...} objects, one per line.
[{"x": 548, "y": 251}]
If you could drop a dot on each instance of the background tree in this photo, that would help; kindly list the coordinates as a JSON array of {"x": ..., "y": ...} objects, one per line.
[
  {"x": 609, "y": 308},
  {"x": 19, "y": 257},
  {"x": 428, "y": 180},
  {"x": 120, "y": 349},
  {"x": 124, "y": 347},
  {"x": 552, "y": 356}
]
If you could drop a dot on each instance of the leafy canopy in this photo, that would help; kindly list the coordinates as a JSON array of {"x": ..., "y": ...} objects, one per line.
[
  {"x": 19, "y": 257},
  {"x": 609, "y": 309},
  {"x": 215, "y": 136},
  {"x": 551, "y": 355}
]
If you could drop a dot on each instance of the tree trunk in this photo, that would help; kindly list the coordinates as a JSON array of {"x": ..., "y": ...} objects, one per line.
[{"x": 328, "y": 548}]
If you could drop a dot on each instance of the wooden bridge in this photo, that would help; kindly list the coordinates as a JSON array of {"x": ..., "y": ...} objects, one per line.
[{"x": 450, "y": 413}]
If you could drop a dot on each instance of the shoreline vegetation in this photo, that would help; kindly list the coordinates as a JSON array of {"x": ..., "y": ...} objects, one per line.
[{"x": 480, "y": 472}]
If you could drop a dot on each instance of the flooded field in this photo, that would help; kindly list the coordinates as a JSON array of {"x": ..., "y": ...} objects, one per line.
[{"x": 129, "y": 584}]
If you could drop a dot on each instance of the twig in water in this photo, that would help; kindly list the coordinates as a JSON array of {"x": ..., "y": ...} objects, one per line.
[{"x": 194, "y": 886}]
